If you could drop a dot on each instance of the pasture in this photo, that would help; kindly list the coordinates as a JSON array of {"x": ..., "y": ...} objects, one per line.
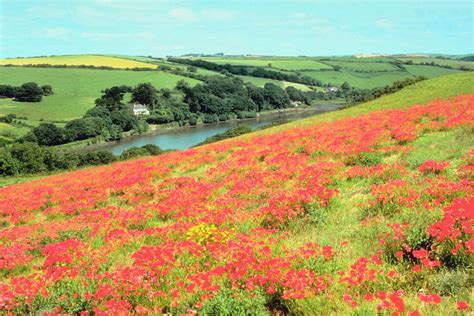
[
  {"x": 289, "y": 63},
  {"x": 74, "y": 89}
]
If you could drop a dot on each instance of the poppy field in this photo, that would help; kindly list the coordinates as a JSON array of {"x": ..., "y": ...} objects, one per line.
[{"x": 370, "y": 214}]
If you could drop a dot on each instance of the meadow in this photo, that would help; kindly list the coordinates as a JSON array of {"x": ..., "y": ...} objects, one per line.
[
  {"x": 368, "y": 210},
  {"x": 290, "y": 63},
  {"x": 74, "y": 89},
  {"x": 77, "y": 60}
]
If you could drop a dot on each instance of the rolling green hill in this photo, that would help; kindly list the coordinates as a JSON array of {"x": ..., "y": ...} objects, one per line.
[{"x": 74, "y": 89}]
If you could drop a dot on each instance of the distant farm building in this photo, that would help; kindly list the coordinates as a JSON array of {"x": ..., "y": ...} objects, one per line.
[
  {"x": 332, "y": 89},
  {"x": 140, "y": 109}
]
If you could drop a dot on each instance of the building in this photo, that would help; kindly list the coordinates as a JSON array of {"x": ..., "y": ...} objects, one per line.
[
  {"x": 332, "y": 89},
  {"x": 140, "y": 109}
]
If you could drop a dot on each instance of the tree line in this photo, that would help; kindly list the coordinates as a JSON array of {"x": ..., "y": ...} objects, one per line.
[
  {"x": 27, "y": 92},
  {"x": 253, "y": 71},
  {"x": 29, "y": 158}
]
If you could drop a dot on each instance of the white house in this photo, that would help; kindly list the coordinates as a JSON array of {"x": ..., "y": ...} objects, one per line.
[
  {"x": 140, "y": 109},
  {"x": 332, "y": 89}
]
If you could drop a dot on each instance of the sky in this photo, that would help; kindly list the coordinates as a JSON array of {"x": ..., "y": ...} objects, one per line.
[{"x": 258, "y": 27}]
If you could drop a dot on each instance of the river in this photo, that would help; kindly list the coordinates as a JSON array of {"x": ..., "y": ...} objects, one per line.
[{"x": 182, "y": 138}]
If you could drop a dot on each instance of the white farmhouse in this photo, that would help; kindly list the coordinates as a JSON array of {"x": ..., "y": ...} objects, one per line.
[{"x": 140, "y": 109}]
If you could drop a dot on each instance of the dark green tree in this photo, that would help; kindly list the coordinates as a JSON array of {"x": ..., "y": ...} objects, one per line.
[
  {"x": 146, "y": 94},
  {"x": 29, "y": 92}
]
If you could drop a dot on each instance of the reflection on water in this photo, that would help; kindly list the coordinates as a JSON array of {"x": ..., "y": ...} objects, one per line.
[{"x": 187, "y": 137}]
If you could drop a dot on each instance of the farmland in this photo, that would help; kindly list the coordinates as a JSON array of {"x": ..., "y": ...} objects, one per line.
[
  {"x": 279, "y": 63},
  {"x": 363, "y": 211},
  {"x": 74, "y": 89},
  {"x": 77, "y": 60}
]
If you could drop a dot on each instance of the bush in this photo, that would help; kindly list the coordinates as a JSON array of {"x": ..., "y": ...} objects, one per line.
[
  {"x": 133, "y": 152},
  {"x": 9, "y": 166},
  {"x": 29, "y": 92}
]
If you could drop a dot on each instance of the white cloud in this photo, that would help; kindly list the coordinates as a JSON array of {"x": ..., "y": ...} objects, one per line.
[
  {"x": 183, "y": 15},
  {"x": 383, "y": 23},
  {"x": 58, "y": 32}
]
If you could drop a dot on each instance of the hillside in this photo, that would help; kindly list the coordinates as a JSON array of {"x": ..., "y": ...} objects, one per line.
[
  {"x": 74, "y": 89},
  {"x": 78, "y": 60},
  {"x": 360, "y": 211},
  {"x": 365, "y": 73}
]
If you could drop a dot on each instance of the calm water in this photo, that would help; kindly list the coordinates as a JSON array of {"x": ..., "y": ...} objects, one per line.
[{"x": 187, "y": 137}]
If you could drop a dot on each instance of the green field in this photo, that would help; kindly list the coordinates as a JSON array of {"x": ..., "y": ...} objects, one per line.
[
  {"x": 74, "y": 89},
  {"x": 448, "y": 62},
  {"x": 419, "y": 93},
  {"x": 362, "y": 65},
  {"x": 260, "y": 82},
  {"x": 359, "y": 80},
  {"x": 77, "y": 60},
  {"x": 429, "y": 71},
  {"x": 280, "y": 63}
]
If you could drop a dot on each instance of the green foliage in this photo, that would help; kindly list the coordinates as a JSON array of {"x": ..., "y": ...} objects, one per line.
[
  {"x": 146, "y": 94},
  {"x": 230, "y": 133},
  {"x": 29, "y": 92},
  {"x": 133, "y": 153},
  {"x": 229, "y": 302},
  {"x": 48, "y": 134}
]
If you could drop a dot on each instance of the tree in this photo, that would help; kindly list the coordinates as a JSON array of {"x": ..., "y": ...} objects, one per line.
[
  {"x": 133, "y": 152},
  {"x": 112, "y": 98},
  {"x": 276, "y": 96},
  {"x": 30, "y": 157},
  {"x": 9, "y": 166},
  {"x": 29, "y": 92},
  {"x": 47, "y": 89},
  {"x": 48, "y": 134},
  {"x": 84, "y": 128},
  {"x": 146, "y": 94}
]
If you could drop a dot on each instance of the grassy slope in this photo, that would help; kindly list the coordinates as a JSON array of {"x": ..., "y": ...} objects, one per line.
[
  {"x": 74, "y": 89},
  {"x": 422, "y": 92},
  {"x": 277, "y": 62},
  {"x": 260, "y": 82},
  {"x": 342, "y": 222},
  {"x": 447, "y": 62},
  {"x": 76, "y": 60},
  {"x": 359, "y": 80}
]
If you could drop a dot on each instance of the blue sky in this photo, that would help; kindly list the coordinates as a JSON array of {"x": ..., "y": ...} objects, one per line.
[{"x": 161, "y": 27}]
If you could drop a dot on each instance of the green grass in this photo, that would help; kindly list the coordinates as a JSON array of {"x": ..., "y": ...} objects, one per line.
[
  {"x": 76, "y": 60},
  {"x": 428, "y": 71},
  {"x": 359, "y": 80},
  {"x": 289, "y": 63},
  {"x": 419, "y": 93},
  {"x": 362, "y": 65},
  {"x": 74, "y": 89},
  {"x": 260, "y": 82},
  {"x": 448, "y": 62}
]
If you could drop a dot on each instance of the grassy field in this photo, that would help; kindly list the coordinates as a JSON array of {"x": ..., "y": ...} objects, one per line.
[
  {"x": 280, "y": 63},
  {"x": 359, "y": 80},
  {"x": 77, "y": 60},
  {"x": 74, "y": 89},
  {"x": 448, "y": 62},
  {"x": 260, "y": 82},
  {"x": 317, "y": 217},
  {"x": 421, "y": 92},
  {"x": 362, "y": 65},
  {"x": 429, "y": 71}
]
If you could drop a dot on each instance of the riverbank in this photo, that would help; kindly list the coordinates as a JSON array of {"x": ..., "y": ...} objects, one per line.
[{"x": 206, "y": 129}]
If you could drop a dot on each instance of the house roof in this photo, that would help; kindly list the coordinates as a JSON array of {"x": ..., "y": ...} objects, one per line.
[{"x": 138, "y": 106}]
